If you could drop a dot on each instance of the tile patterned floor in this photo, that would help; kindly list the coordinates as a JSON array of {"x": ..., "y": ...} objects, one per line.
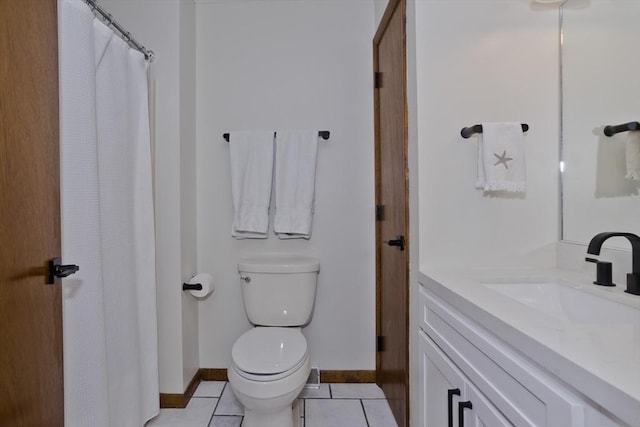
[{"x": 332, "y": 405}]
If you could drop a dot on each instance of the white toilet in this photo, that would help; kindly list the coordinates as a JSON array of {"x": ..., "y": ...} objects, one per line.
[{"x": 269, "y": 363}]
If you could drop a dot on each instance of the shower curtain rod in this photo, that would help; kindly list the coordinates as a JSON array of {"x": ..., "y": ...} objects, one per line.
[{"x": 108, "y": 19}]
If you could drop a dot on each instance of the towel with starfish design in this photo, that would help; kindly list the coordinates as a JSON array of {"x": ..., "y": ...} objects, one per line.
[{"x": 501, "y": 165}]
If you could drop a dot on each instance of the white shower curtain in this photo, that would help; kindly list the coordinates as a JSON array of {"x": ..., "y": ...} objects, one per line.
[{"x": 110, "y": 322}]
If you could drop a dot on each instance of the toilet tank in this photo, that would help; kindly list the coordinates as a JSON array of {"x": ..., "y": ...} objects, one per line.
[{"x": 279, "y": 289}]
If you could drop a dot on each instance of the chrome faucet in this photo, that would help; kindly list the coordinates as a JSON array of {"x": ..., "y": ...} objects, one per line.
[{"x": 633, "y": 278}]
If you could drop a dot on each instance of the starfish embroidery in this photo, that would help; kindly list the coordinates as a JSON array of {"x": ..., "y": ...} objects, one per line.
[{"x": 502, "y": 159}]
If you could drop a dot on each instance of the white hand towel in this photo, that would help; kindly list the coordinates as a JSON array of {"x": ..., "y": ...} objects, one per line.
[
  {"x": 295, "y": 176},
  {"x": 633, "y": 155},
  {"x": 501, "y": 164},
  {"x": 251, "y": 155}
]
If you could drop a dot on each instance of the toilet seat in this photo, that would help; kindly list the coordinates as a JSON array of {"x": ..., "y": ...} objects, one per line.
[
  {"x": 269, "y": 353},
  {"x": 268, "y": 377}
]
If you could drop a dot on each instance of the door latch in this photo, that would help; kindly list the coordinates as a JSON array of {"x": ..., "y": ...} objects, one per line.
[
  {"x": 398, "y": 241},
  {"x": 58, "y": 270}
]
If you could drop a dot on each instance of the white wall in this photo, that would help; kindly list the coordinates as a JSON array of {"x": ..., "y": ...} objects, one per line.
[
  {"x": 414, "y": 213},
  {"x": 164, "y": 26},
  {"x": 379, "y": 7},
  {"x": 188, "y": 208},
  {"x": 484, "y": 61},
  {"x": 291, "y": 65}
]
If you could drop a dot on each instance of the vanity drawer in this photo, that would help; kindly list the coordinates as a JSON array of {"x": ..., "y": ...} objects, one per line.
[{"x": 522, "y": 391}]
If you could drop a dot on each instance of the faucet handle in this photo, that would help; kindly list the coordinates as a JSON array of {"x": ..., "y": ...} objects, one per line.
[
  {"x": 633, "y": 284},
  {"x": 604, "y": 272}
]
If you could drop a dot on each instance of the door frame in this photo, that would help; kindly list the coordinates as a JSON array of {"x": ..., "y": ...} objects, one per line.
[{"x": 382, "y": 27}]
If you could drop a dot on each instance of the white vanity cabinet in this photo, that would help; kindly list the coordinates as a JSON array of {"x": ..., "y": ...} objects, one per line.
[
  {"x": 503, "y": 387},
  {"x": 453, "y": 400}
]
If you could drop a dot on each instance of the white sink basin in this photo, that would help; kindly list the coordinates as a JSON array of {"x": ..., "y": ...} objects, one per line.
[{"x": 568, "y": 302}]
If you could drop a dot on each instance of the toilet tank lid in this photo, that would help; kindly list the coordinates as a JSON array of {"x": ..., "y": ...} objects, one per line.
[{"x": 279, "y": 263}]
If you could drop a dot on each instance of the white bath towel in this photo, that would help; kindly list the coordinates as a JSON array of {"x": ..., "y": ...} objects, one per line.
[
  {"x": 251, "y": 156},
  {"x": 633, "y": 155},
  {"x": 295, "y": 177},
  {"x": 501, "y": 163}
]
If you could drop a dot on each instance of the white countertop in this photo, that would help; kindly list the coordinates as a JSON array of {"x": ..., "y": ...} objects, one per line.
[{"x": 600, "y": 361}]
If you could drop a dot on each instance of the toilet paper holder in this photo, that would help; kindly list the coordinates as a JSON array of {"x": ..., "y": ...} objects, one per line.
[
  {"x": 191, "y": 287},
  {"x": 199, "y": 286}
]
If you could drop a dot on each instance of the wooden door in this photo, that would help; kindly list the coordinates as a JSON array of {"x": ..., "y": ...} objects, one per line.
[
  {"x": 31, "y": 381},
  {"x": 392, "y": 251}
]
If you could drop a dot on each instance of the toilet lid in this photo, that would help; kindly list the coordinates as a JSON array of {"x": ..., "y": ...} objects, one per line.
[{"x": 269, "y": 350}]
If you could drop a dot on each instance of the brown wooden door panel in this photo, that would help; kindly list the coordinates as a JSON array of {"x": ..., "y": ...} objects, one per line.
[
  {"x": 392, "y": 370},
  {"x": 31, "y": 380}
]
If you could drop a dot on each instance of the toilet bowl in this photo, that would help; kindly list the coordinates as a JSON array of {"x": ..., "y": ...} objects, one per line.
[
  {"x": 269, "y": 368},
  {"x": 270, "y": 363}
]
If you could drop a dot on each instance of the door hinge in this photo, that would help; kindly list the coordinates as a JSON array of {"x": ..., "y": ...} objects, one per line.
[
  {"x": 380, "y": 344},
  {"x": 377, "y": 80},
  {"x": 379, "y": 212}
]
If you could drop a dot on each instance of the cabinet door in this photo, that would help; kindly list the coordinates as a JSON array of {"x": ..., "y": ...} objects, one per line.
[
  {"x": 483, "y": 413},
  {"x": 440, "y": 378},
  {"x": 437, "y": 378}
]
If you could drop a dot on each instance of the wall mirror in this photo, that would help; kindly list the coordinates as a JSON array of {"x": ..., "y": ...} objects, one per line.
[{"x": 600, "y": 85}]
